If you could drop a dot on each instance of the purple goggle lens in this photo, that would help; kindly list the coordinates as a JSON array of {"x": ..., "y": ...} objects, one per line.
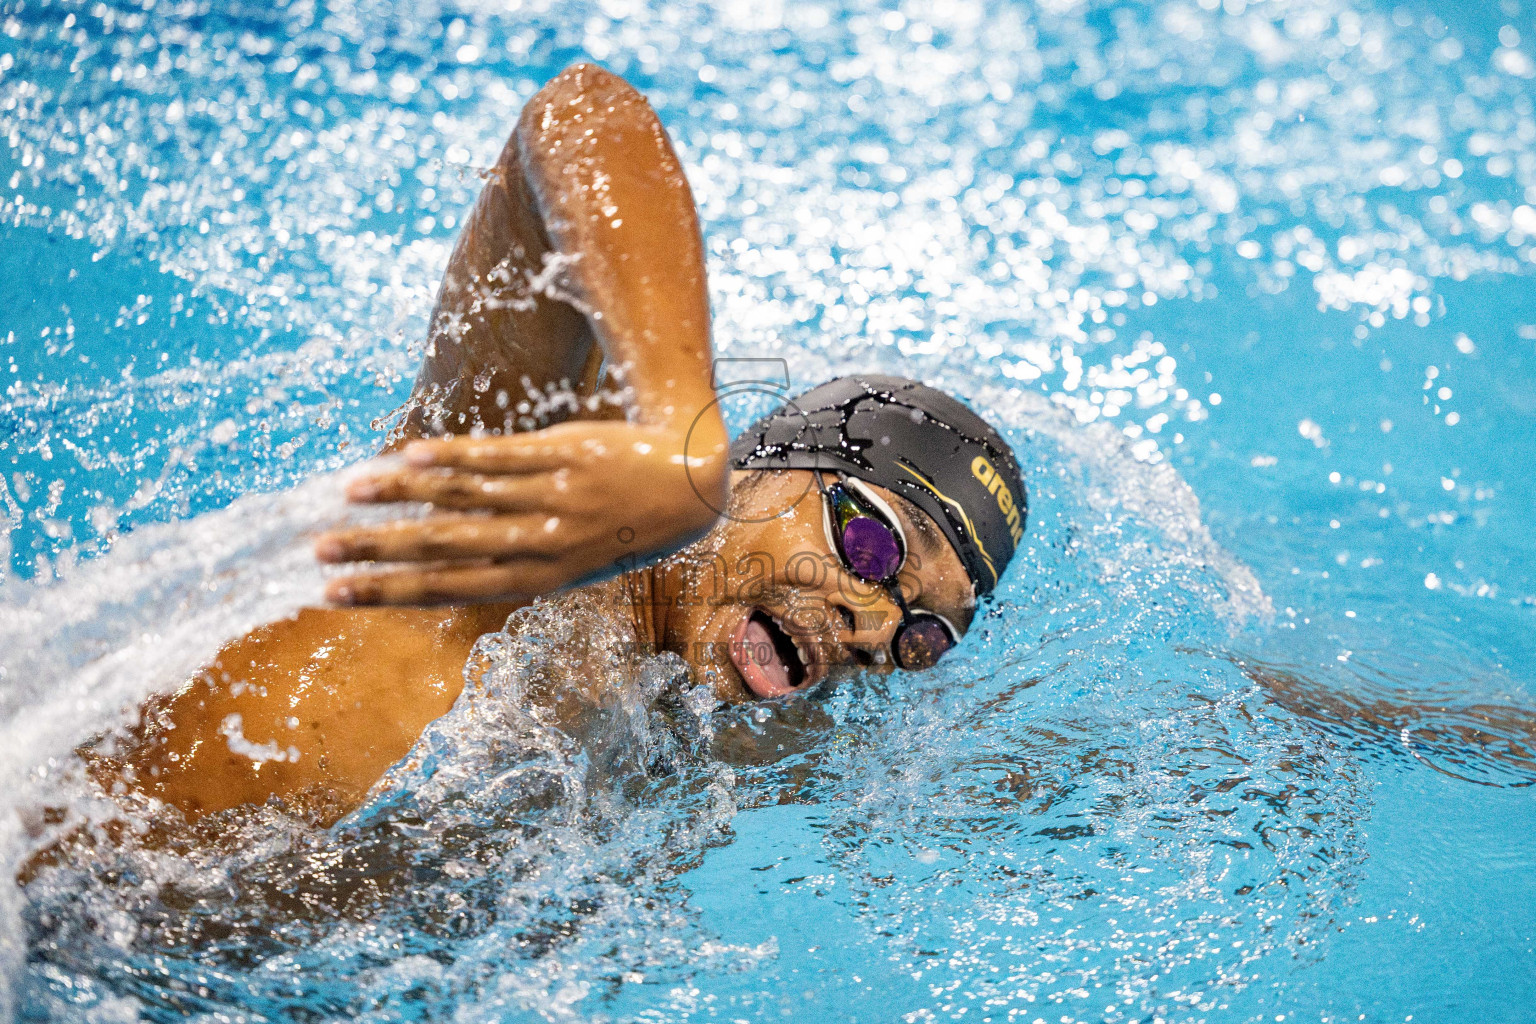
[{"x": 870, "y": 549}]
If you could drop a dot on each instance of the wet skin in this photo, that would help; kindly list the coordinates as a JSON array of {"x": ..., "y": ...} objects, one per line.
[
  {"x": 350, "y": 690},
  {"x": 580, "y": 268},
  {"x": 784, "y": 571}
]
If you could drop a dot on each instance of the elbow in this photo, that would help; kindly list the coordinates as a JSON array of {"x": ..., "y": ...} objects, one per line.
[{"x": 560, "y": 103}]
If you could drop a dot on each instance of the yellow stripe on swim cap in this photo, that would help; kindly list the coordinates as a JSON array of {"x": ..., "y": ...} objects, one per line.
[{"x": 952, "y": 503}]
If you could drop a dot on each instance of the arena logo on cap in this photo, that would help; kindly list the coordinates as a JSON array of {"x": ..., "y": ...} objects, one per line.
[{"x": 992, "y": 480}]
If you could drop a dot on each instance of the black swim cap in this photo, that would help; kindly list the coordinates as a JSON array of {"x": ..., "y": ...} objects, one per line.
[{"x": 911, "y": 439}]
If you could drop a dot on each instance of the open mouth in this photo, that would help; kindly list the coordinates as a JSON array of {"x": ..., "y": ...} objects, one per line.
[{"x": 767, "y": 657}]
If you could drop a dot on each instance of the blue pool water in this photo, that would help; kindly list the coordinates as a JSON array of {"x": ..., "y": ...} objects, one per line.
[{"x": 1248, "y": 733}]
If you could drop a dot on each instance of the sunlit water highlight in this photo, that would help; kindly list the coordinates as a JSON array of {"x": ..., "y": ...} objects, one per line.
[{"x": 1276, "y": 255}]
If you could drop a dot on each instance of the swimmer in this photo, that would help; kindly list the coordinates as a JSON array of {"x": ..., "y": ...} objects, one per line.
[{"x": 565, "y": 432}]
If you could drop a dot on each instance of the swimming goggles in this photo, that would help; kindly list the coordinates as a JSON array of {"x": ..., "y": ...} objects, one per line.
[{"x": 868, "y": 540}]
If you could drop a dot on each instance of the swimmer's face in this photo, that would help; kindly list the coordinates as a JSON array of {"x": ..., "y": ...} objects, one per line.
[{"x": 762, "y": 609}]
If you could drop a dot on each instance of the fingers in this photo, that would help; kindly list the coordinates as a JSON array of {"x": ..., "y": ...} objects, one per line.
[
  {"x": 563, "y": 445},
  {"x": 502, "y": 582},
  {"x": 455, "y": 490},
  {"x": 443, "y": 538},
  {"x": 522, "y": 454}
]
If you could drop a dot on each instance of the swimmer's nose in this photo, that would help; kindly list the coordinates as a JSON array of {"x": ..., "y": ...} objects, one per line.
[{"x": 869, "y": 625}]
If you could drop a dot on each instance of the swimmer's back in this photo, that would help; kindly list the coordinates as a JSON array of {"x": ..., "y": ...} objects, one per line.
[{"x": 316, "y": 707}]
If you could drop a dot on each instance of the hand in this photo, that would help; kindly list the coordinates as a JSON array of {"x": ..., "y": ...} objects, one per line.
[{"x": 531, "y": 513}]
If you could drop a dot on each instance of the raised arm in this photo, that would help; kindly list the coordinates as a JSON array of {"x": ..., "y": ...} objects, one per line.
[
  {"x": 614, "y": 200},
  {"x": 530, "y": 513}
]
